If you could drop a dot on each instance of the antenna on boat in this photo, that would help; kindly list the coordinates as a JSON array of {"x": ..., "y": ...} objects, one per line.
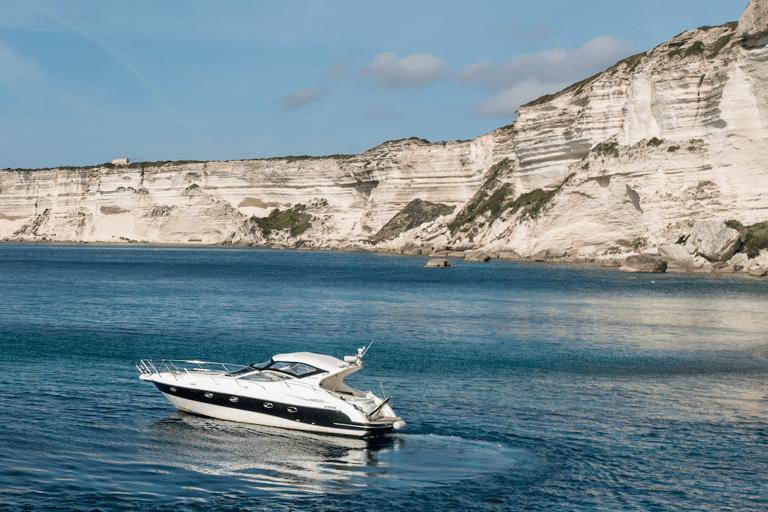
[
  {"x": 366, "y": 349},
  {"x": 358, "y": 358}
]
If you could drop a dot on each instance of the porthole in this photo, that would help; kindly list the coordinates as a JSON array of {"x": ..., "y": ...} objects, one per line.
[
  {"x": 268, "y": 405},
  {"x": 173, "y": 390},
  {"x": 233, "y": 399},
  {"x": 293, "y": 409},
  {"x": 209, "y": 395}
]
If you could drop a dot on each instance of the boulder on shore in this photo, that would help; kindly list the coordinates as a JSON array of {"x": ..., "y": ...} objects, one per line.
[
  {"x": 644, "y": 263},
  {"x": 713, "y": 240},
  {"x": 437, "y": 263},
  {"x": 476, "y": 256},
  {"x": 509, "y": 255},
  {"x": 762, "y": 258},
  {"x": 676, "y": 254},
  {"x": 740, "y": 259}
]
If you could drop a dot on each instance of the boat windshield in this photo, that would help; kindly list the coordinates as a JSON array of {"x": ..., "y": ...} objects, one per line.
[
  {"x": 297, "y": 370},
  {"x": 241, "y": 371},
  {"x": 284, "y": 368},
  {"x": 260, "y": 366},
  {"x": 249, "y": 369}
]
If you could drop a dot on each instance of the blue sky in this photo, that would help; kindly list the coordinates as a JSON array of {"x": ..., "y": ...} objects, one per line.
[{"x": 86, "y": 81}]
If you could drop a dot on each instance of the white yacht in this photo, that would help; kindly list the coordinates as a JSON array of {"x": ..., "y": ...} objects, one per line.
[{"x": 302, "y": 391}]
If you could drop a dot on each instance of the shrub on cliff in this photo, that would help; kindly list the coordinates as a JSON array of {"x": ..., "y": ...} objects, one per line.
[
  {"x": 697, "y": 48},
  {"x": 755, "y": 236},
  {"x": 756, "y": 239},
  {"x": 530, "y": 204},
  {"x": 655, "y": 142},
  {"x": 489, "y": 198},
  {"x": 416, "y": 213},
  {"x": 294, "y": 219},
  {"x": 719, "y": 45},
  {"x": 755, "y": 243},
  {"x": 607, "y": 149}
]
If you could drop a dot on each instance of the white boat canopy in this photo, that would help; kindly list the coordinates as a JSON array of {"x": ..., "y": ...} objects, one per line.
[{"x": 319, "y": 361}]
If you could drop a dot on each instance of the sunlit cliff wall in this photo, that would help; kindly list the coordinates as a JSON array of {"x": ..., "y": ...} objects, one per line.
[{"x": 631, "y": 157}]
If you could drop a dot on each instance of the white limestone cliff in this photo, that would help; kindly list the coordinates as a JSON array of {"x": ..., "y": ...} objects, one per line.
[
  {"x": 628, "y": 159},
  {"x": 350, "y": 198},
  {"x": 689, "y": 135},
  {"x": 659, "y": 141},
  {"x": 754, "y": 20}
]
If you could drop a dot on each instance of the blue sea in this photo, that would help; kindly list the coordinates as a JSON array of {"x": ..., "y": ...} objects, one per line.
[{"x": 525, "y": 386}]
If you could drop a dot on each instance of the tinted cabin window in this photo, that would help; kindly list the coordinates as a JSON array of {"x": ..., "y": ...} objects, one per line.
[{"x": 296, "y": 369}]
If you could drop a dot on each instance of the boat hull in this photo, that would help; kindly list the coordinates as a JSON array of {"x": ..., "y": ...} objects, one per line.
[{"x": 246, "y": 409}]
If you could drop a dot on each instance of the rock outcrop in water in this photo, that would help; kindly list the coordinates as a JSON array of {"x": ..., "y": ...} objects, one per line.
[
  {"x": 644, "y": 263},
  {"x": 625, "y": 161}
]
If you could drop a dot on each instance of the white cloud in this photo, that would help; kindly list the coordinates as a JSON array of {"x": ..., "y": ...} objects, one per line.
[
  {"x": 504, "y": 102},
  {"x": 416, "y": 70},
  {"x": 302, "y": 97},
  {"x": 375, "y": 112},
  {"x": 526, "y": 77}
]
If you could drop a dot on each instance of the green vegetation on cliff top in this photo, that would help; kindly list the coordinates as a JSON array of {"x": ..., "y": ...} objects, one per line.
[
  {"x": 631, "y": 63},
  {"x": 719, "y": 45}
]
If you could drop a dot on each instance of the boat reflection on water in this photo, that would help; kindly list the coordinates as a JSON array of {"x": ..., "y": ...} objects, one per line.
[
  {"x": 224, "y": 455},
  {"x": 267, "y": 458}
]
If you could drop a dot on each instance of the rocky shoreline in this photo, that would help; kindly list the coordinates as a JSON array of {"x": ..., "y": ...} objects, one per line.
[{"x": 630, "y": 262}]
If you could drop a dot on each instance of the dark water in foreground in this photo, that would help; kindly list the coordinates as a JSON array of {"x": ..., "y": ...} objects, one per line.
[{"x": 525, "y": 386}]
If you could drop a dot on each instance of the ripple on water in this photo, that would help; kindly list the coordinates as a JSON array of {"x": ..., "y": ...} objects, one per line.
[{"x": 297, "y": 463}]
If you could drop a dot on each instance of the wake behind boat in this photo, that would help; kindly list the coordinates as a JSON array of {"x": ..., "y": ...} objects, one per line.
[{"x": 300, "y": 391}]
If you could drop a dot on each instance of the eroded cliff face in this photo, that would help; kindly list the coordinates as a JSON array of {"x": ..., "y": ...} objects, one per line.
[
  {"x": 676, "y": 135},
  {"x": 348, "y": 198},
  {"x": 627, "y": 159},
  {"x": 640, "y": 152}
]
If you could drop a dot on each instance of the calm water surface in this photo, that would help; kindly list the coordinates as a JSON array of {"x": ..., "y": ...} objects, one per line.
[{"x": 524, "y": 386}]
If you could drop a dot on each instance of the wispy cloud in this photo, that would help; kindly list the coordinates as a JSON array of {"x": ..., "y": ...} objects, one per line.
[
  {"x": 526, "y": 77},
  {"x": 337, "y": 71},
  {"x": 389, "y": 71},
  {"x": 17, "y": 71},
  {"x": 515, "y": 30},
  {"x": 375, "y": 112},
  {"x": 302, "y": 97},
  {"x": 504, "y": 103},
  {"x": 31, "y": 86},
  {"x": 117, "y": 56}
]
